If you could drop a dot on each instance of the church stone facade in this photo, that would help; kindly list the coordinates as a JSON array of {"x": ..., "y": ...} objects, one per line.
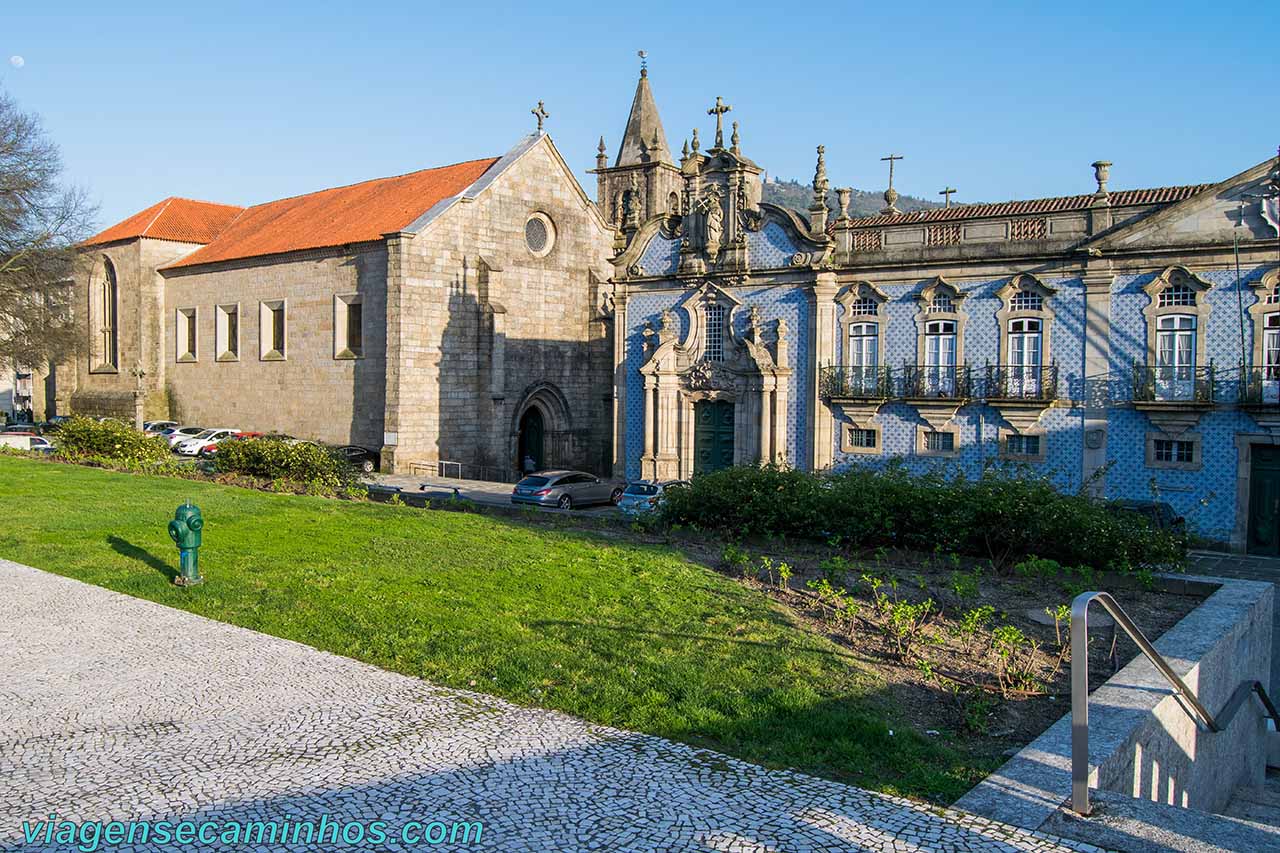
[
  {"x": 678, "y": 324},
  {"x": 433, "y": 316}
]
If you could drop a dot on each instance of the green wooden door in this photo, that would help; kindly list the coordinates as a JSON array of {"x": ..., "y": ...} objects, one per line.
[
  {"x": 1264, "y": 501},
  {"x": 713, "y": 436}
]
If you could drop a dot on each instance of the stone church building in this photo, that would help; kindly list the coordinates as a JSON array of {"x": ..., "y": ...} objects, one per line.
[
  {"x": 455, "y": 314},
  {"x": 678, "y": 323}
]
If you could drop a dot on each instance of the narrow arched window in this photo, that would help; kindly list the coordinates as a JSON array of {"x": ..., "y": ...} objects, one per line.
[
  {"x": 107, "y": 315},
  {"x": 715, "y": 333}
]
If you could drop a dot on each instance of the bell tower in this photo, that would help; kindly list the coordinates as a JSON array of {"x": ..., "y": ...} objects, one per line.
[{"x": 643, "y": 181}]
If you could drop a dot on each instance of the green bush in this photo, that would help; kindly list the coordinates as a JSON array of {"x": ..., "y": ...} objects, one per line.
[
  {"x": 997, "y": 516},
  {"x": 82, "y": 439},
  {"x": 321, "y": 469}
]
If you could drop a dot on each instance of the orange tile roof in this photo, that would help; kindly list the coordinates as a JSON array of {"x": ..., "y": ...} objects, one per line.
[
  {"x": 1122, "y": 198},
  {"x": 182, "y": 219},
  {"x": 356, "y": 213}
]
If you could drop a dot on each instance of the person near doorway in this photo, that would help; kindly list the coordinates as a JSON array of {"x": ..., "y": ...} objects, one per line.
[{"x": 528, "y": 465}]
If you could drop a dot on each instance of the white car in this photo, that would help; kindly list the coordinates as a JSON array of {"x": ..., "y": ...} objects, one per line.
[
  {"x": 26, "y": 441},
  {"x": 157, "y": 427},
  {"x": 176, "y": 435},
  {"x": 193, "y": 445}
]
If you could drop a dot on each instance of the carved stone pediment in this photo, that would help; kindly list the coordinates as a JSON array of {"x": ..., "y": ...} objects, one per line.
[
  {"x": 858, "y": 412},
  {"x": 1020, "y": 415},
  {"x": 1173, "y": 421},
  {"x": 708, "y": 375},
  {"x": 937, "y": 414}
]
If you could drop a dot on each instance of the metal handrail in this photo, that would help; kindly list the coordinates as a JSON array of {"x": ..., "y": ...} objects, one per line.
[{"x": 1080, "y": 689}]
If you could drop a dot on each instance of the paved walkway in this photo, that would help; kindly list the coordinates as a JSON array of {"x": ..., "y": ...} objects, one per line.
[
  {"x": 1221, "y": 565},
  {"x": 116, "y": 708}
]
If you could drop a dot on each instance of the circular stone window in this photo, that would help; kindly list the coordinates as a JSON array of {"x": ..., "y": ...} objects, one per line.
[{"x": 539, "y": 234}]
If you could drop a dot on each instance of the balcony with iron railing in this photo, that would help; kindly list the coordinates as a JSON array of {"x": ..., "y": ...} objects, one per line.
[
  {"x": 1018, "y": 383},
  {"x": 908, "y": 382},
  {"x": 1167, "y": 386},
  {"x": 1021, "y": 383},
  {"x": 1259, "y": 387}
]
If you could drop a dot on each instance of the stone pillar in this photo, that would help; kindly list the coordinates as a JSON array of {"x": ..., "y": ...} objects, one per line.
[
  {"x": 1097, "y": 371},
  {"x": 620, "y": 382},
  {"x": 667, "y": 439},
  {"x": 822, "y": 343},
  {"x": 396, "y": 249},
  {"x": 765, "y": 404},
  {"x": 779, "y": 416}
]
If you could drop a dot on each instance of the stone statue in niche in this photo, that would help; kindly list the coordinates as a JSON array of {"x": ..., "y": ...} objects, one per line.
[{"x": 713, "y": 227}]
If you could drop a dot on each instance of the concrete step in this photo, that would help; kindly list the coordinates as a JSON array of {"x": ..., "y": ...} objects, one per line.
[
  {"x": 1141, "y": 826},
  {"x": 1259, "y": 805}
]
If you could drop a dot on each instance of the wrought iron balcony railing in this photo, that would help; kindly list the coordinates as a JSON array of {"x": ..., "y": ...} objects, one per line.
[
  {"x": 1169, "y": 384},
  {"x": 1260, "y": 386},
  {"x": 1021, "y": 382},
  {"x": 889, "y": 383},
  {"x": 858, "y": 382},
  {"x": 946, "y": 383}
]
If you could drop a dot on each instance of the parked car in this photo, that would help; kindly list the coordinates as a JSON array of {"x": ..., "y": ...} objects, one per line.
[
  {"x": 210, "y": 450},
  {"x": 645, "y": 496},
  {"x": 156, "y": 427},
  {"x": 361, "y": 457},
  {"x": 173, "y": 435},
  {"x": 1158, "y": 514},
  {"x": 24, "y": 428},
  {"x": 25, "y": 441},
  {"x": 565, "y": 489},
  {"x": 192, "y": 446}
]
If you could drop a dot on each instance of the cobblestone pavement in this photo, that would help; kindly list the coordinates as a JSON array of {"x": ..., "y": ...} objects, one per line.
[
  {"x": 1246, "y": 567},
  {"x": 114, "y": 708}
]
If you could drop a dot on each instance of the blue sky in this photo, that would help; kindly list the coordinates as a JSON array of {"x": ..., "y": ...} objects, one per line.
[{"x": 246, "y": 102}]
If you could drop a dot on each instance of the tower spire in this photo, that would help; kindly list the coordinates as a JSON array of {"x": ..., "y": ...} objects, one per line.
[{"x": 644, "y": 133}]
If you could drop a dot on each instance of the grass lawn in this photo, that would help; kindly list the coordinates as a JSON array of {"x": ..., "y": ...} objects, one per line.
[{"x": 630, "y": 636}]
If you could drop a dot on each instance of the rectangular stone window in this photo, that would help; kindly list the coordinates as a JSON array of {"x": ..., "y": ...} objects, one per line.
[
  {"x": 272, "y": 330},
  {"x": 226, "y": 332},
  {"x": 715, "y": 333},
  {"x": 348, "y": 326},
  {"x": 940, "y": 442},
  {"x": 1172, "y": 450},
  {"x": 1020, "y": 447},
  {"x": 862, "y": 438},
  {"x": 944, "y": 441},
  {"x": 184, "y": 335},
  {"x": 1180, "y": 453}
]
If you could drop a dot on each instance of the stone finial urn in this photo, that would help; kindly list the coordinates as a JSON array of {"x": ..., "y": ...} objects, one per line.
[{"x": 1101, "y": 173}]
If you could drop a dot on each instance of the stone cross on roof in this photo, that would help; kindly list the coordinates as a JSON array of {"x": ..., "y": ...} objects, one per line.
[
  {"x": 718, "y": 111},
  {"x": 891, "y": 195},
  {"x": 947, "y": 191},
  {"x": 540, "y": 112}
]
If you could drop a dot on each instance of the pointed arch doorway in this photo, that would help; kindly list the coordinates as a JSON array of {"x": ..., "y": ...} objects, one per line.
[{"x": 532, "y": 439}]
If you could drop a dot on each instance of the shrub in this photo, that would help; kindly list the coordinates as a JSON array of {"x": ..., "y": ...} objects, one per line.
[
  {"x": 320, "y": 469},
  {"x": 997, "y": 516},
  {"x": 83, "y": 439}
]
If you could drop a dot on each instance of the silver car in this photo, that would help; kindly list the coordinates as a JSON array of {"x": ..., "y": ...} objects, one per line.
[
  {"x": 645, "y": 496},
  {"x": 565, "y": 489}
]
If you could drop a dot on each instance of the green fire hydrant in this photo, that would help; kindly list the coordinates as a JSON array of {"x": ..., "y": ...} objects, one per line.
[{"x": 185, "y": 531}]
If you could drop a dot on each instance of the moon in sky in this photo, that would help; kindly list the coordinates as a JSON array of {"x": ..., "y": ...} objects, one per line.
[{"x": 17, "y": 61}]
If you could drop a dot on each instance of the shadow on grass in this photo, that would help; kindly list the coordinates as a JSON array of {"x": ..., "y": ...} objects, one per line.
[{"x": 125, "y": 548}]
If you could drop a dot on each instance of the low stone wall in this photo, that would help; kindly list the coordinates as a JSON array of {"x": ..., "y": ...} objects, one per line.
[{"x": 1142, "y": 743}]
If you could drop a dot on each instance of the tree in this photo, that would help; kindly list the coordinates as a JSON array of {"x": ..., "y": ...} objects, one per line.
[{"x": 41, "y": 221}]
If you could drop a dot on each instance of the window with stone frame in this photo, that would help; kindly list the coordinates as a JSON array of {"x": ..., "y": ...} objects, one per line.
[
  {"x": 862, "y": 437},
  {"x": 273, "y": 330},
  {"x": 185, "y": 334},
  {"x": 1016, "y": 444},
  {"x": 227, "y": 332},
  {"x": 714, "y": 350},
  {"x": 348, "y": 326},
  {"x": 1026, "y": 300},
  {"x": 1176, "y": 295},
  {"x": 105, "y": 305},
  {"x": 1174, "y": 450},
  {"x": 939, "y": 441}
]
